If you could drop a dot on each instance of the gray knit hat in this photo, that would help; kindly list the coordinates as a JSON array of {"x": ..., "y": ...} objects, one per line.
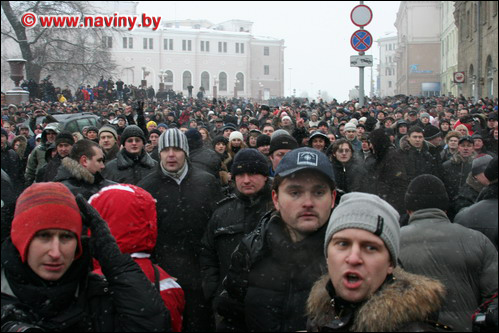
[
  {"x": 480, "y": 163},
  {"x": 368, "y": 212},
  {"x": 173, "y": 137},
  {"x": 109, "y": 129}
]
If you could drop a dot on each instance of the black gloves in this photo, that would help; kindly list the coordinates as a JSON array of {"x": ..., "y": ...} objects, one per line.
[
  {"x": 18, "y": 318},
  {"x": 102, "y": 244}
]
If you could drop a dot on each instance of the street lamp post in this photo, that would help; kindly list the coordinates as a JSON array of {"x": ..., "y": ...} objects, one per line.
[
  {"x": 260, "y": 91},
  {"x": 290, "y": 87}
]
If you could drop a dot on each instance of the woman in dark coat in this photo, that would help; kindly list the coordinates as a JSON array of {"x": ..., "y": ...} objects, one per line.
[{"x": 350, "y": 175}]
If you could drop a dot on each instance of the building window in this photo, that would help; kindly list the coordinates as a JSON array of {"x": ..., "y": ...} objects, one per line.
[
  {"x": 146, "y": 40},
  {"x": 389, "y": 84},
  {"x": 107, "y": 42},
  {"x": 266, "y": 51},
  {"x": 266, "y": 70},
  {"x": 150, "y": 44},
  {"x": 186, "y": 45},
  {"x": 186, "y": 80},
  {"x": 168, "y": 44},
  {"x": 240, "y": 82},
  {"x": 222, "y": 47},
  {"x": 205, "y": 46},
  {"x": 222, "y": 79},
  {"x": 205, "y": 81},
  {"x": 127, "y": 42},
  {"x": 169, "y": 77},
  {"x": 239, "y": 47}
]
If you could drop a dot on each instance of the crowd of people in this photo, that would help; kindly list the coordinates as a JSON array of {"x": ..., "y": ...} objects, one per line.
[{"x": 195, "y": 214}]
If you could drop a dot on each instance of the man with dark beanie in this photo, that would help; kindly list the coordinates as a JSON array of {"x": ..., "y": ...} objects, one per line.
[
  {"x": 463, "y": 259},
  {"x": 280, "y": 146},
  {"x": 63, "y": 143},
  {"x": 132, "y": 163},
  {"x": 235, "y": 217},
  {"x": 201, "y": 157},
  {"x": 482, "y": 215}
]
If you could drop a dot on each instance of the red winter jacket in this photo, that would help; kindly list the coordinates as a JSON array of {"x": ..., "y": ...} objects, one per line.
[{"x": 130, "y": 213}]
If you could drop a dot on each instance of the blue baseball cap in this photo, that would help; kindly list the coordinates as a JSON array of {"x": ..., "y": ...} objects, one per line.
[{"x": 305, "y": 158}]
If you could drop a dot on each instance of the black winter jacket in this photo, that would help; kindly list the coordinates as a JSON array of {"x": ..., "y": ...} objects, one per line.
[
  {"x": 350, "y": 177},
  {"x": 419, "y": 162},
  {"x": 128, "y": 170},
  {"x": 270, "y": 277},
  {"x": 235, "y": 217},
  {"x": 207, "y": 160},
  {"x": 79, "y": 180},
  {"x": 183, "y": 214},
  {"x": 81, "y": 301}
]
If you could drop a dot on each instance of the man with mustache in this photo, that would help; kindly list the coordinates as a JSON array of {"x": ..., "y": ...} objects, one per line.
[{"x": 273, "y": 268}]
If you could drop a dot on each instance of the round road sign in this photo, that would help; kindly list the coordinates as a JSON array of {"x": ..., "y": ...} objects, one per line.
[
  {"x": 361, "y": 15},
  {"x": 361, "y": 40},
  {"x": 459, "y": 77}
]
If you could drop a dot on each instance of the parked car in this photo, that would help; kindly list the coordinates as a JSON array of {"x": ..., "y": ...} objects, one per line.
[{"x": 72, "y": 122}]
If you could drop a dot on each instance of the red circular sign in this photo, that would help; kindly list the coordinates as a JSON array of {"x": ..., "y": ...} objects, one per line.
[
  {"x": 361, "y": 15},
  {"x": 361, "y": 40}
]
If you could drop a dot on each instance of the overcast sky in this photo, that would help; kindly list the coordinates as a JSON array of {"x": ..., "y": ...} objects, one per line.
[{"x": 316, "y": 35}]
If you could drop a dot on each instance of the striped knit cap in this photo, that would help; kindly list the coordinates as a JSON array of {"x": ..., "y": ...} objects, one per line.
[
  {"x": 44, "y": 206},
  {"x": 173, "y": 137}
]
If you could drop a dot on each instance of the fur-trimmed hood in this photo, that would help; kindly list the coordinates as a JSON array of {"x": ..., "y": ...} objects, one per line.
[
  {"x": 74, "y": 170},
  {"x": 407, "y": 299}
]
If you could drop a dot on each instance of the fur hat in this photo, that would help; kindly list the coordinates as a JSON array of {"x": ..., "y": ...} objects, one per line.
[
  {"x": 45, "y": 206},
  {"x": 173, "y": 137},
  {"x": 262, "y": 140},
  {"x": 132, "y": 131},
  {"x": 426, "y": 191},
  {"x": 367, "y": 212},
  {"x": 251, "y": 161}
]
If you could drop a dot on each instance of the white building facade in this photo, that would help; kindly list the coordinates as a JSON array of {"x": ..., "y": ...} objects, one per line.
[
  {"x": 225, "y": 59},
  {"x": 449, "y": 47},
  {"x": 387, "y": 66}
]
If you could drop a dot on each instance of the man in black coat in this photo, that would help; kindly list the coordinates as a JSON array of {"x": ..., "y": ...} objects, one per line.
[
  {"x": 274, "y": 267},
  {"x": 186, "y": 198},
  {"x": 235, "y": 217},
  {"x": 201, "y": 157},
  {"x": 81, "y": 170},
  {"x": 416, "y": 155},
  {"x": 132, "y": 164}
]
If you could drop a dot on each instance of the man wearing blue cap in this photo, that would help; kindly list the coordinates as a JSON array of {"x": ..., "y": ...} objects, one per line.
[{"x": 273, "y": 268}]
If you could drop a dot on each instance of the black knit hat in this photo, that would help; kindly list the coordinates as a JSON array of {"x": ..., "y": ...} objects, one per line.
[
  {"x": 250, "y": 161},
  {"x": 426, "y": 191},
  {"x": 431, "y": 132},
  {"x": 492, "y": 170},
  {"x": 262, "y": 140},
  {"x": 282, "y": 142},
  {"x": 218, "y": 139},
  {"x": 132, "y": 131},
  {"x": 194, "y": 139},
  {"x": 64, "y": 137}
]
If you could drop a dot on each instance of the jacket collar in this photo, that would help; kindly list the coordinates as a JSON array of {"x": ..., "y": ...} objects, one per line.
[{"x": 433, "y": 214}]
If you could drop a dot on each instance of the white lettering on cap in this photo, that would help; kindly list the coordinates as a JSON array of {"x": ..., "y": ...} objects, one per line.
[{"x": 308, "y": 158}]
